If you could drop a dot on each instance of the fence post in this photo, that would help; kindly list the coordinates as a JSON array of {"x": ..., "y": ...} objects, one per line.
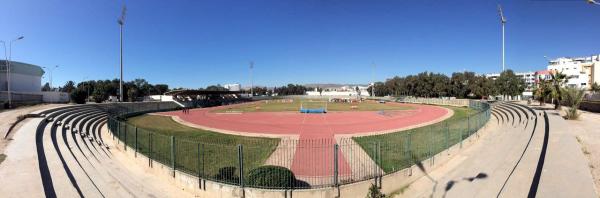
[
  {"x": 379, "y": 171},
  {"x": 136, "y": 141},
  {"x": 125, "y": 138},
  {"x": 468, "y": 124},
  {"x": 447, "y": 137},
  {"x": 150, "y": 149},
  {"x": 335, "y": 165},
  {"x": 118, "y": 131},
  {"x": 241, "y": 161},
  {"x": 431, "y": 145},
  {"x": 409, "y": 154},
  {"x": 173, "y": 154},
  {"x": 198, "y": 165}
]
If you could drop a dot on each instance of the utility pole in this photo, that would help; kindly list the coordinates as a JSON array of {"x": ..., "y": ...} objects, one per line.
[
  {"x": 121, "y": 22},
  {"x": 502, "y": 21},
  {"x": 251, "y": 80}
]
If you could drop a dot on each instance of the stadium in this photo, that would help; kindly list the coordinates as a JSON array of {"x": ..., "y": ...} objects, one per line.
[
  {"x": 295, "y": 142},
  {"x": 176, "y": 107}
]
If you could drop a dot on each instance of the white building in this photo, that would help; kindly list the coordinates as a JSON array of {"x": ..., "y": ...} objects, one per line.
[
  {"x": 581, "y": 72},
  {"x": 24, "y": 77},
  {"x": 233, "y": 87},
  {"x": 529, "y": 78},
  {"x": 341, "y": 91}
]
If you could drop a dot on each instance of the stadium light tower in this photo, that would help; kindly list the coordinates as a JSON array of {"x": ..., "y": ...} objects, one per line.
[
  {"x": 502, "y": 21},
  {"x": 121, "y": 22},
  {"x": 8, "y": 59},
  {"x": 251, "y": 80}
]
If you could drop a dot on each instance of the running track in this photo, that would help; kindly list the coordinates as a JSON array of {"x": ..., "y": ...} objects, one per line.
[{"x": 314, "y": 130}]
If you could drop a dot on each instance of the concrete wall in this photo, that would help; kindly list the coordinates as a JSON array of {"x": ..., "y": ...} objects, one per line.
[
  {"x": 21, "y": 82},
  {"x": 55, "y": 97}
]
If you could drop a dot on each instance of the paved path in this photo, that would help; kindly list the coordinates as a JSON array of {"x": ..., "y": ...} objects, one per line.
[
  {"x": 511, "y": 162},
  {"x": 67, "y": 157}
]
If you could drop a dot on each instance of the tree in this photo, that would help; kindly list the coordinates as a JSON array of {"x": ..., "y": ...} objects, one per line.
[
  {"x": 78, "y": 96},
  {"x": 161, "y": 88},
  {"x": 482, "y": 87},
  {"x": 543, "y": 92},
  {"x": 509, "y": 84},
  {"x": 558, "y": 79},
  {"x": 69, "y": 87},
  {"x": 46, "y": 87}
]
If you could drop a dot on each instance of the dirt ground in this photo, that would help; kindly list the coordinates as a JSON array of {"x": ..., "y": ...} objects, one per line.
[
  {"x": 587, "y": 133},
  {"x": 8, "y": 117}
]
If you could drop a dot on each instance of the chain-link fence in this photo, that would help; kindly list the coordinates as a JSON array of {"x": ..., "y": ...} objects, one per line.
[{"x": 293, "y": 163}]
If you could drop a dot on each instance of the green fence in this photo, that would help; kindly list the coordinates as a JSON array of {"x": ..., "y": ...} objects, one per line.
[{"x": 315, "y": 163}]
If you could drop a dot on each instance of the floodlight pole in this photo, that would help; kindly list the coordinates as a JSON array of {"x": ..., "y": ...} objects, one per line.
[
  {"x": 251, "y": 80},
  {"x": 503, "y": 22},
  {"x": 503, "y": 46},
  {"x": 121, "y": 22}
]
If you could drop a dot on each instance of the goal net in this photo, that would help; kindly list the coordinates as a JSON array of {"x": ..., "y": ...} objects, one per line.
[{"x": 313, "y": 107}]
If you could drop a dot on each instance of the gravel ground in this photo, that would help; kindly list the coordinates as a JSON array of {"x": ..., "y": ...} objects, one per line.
[{"x": 588, "y": 135}]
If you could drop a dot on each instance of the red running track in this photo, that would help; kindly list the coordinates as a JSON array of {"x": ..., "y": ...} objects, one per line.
[{"x": 313, "y": 128}]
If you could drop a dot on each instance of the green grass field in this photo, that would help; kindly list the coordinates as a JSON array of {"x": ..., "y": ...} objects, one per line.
[
  {"x": 215, "y": 150},
  {"x": 276, "y": 106},
  {"x": 402, "y": 149}
]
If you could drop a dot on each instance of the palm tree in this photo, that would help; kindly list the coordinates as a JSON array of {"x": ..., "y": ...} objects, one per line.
[
  {"x": 543, "y": 92},
  {"x": 558, "y": 79}
]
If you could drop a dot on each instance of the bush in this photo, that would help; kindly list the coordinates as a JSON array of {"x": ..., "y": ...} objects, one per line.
[
  {"x": 271, "y": 176},
  {"x": 78, "y": 96},
  {"x": 227, "y": 175},
  {"x": 572, "y": 97},
  {"x": 374, "y": 192}
]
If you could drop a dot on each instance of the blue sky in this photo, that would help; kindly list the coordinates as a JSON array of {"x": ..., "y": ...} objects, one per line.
[{"x": 197, "y": 43}]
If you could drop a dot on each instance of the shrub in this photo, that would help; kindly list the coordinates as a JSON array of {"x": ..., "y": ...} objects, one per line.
[
  {"x": 374, "y": 192},
  {"x": 227, "y": 175},
  {"x": 78, "y": 96},
  {"x": 572, "y": 97},
  {"x": 271, "y": 176}
]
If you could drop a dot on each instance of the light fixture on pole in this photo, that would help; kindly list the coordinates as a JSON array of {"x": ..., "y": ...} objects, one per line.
[
  {"x": 502, "y": 21},
  {"x": 121, "y": 22},
  {"x": 251, "y": 80}
]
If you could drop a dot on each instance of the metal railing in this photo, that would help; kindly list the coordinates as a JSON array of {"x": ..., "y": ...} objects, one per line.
[{"x": 307, "y": 163}]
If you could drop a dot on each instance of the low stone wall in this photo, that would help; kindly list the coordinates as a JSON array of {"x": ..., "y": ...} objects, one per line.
[
  {"x": 437, "y": 101},
  {"x": 591, "y": 106}
]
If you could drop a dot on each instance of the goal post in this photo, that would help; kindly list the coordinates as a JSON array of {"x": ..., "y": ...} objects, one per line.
[{"x": 313, "y": 107}]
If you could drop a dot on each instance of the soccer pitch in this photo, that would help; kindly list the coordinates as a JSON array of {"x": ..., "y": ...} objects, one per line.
[{"x": 294, "y": 105}]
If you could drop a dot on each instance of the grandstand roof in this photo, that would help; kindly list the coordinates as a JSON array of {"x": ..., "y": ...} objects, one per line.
[{"x": 21, "y": 68}]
